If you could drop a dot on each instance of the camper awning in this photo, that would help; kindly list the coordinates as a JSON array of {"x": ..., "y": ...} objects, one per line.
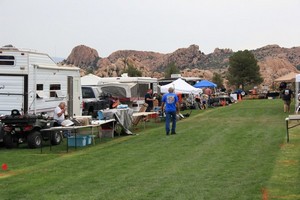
[{"x": 57, "y": 67}]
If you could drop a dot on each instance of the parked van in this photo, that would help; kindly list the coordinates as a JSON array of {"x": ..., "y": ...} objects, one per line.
[{"x": 33, "y": 83}]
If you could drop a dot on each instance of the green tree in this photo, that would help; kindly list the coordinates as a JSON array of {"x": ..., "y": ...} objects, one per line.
[
  {"x": 171, "y": 69},
  {"x": 132, "y": 71},
  {"x": 217, "y": 79},
  {"x": 89, "y": 70},
  {"x": 243, "y": 69}
]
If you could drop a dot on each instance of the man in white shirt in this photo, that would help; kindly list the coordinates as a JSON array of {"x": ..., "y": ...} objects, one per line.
[{"x": 59, "y": 113}]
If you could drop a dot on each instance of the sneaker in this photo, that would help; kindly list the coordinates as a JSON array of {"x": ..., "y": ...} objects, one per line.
[
  {"x": 167, "y": 133},
  {"x": 173, "y": 133}
]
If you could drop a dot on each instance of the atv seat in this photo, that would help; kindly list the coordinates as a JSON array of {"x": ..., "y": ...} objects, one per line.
[{"x": 15, "y": 112}]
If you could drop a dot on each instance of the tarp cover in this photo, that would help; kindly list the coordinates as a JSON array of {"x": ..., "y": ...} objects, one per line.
[{"x": 180, "y": 86}]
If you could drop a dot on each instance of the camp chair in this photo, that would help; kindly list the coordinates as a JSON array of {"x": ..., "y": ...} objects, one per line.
[{"x": 136, "y": 120}]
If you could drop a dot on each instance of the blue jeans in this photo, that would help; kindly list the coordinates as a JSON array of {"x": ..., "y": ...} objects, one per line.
[{"x": 170, "y": 115}]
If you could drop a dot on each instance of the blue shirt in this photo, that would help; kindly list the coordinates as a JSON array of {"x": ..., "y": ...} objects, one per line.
[{"x": 170, "y": 100}]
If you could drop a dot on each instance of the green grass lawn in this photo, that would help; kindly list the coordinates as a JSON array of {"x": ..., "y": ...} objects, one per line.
[{"x": 233, "y": 152}]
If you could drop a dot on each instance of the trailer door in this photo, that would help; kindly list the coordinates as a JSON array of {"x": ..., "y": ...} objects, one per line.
[
  {"x": 74, "y": 96},
  {"x": 12, "y": 93}
]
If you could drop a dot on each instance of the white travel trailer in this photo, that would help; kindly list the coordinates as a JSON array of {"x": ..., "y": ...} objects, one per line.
[{"x": 31, "y": 82}]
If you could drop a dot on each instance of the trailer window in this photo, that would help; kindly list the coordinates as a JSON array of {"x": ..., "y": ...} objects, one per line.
[
  {"x": 53, "y": 88},
  {"x": 39, "y": 87},
  {"x": 53, "y": 94},
  {"x": 7, "y": 60},
  {"x": 87, "y": 93}
]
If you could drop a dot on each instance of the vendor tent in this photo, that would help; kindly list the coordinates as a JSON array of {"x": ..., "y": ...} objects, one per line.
[
  {"x": 205, "y": 83},
  {"x": 180, "y": 86},
  {"x": 290, "y": 77},
  {"x": 90, "y": 79}
]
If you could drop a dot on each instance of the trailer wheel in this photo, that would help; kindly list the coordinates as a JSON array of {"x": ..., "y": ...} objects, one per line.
[
  {"x": 9, "y": 141},
  {"x": 56, "y": 138},
  {"x": 34, "y": 140}
]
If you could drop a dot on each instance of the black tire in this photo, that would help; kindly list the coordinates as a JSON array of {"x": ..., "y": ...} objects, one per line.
[
  {"x": 56, "y": 138},
  {"x": 34, "y": 140},
  {"x": 9, "y": 141}
]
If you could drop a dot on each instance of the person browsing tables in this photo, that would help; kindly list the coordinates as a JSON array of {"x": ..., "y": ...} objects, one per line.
[
  {"x": 149, "y": 100},
  {"x": 59, "y": 112},
  {"x": 170, "y": 105}
]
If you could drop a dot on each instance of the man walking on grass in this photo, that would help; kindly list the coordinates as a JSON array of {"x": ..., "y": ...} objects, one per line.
[
  {"x": 171, "y": 107},
  {"x": 287, "y": 95}
]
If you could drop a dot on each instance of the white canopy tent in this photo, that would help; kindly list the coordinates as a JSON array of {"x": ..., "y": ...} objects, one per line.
[
  {"x": 180, "y": 86},
  {"x": 290, "y": 77},
  {"x": 90, "y": 79}
]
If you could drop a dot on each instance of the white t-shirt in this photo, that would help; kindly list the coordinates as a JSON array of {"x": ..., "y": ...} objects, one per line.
[{"x": 56, "y": 117}]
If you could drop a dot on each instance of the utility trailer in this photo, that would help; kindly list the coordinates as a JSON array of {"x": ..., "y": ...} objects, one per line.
[{"x": 129, "y": 90}]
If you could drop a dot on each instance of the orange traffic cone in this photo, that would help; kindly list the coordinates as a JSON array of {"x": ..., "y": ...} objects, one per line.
[
  {"x": 240, "y": 97},
  {"x": 223, "y": 103}
]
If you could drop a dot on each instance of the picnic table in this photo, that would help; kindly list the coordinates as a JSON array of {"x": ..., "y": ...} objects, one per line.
[
  {"x": 74, "y": 129},
  {"x": 140, "y": 115},
  {"x": 287, "y": 120}
]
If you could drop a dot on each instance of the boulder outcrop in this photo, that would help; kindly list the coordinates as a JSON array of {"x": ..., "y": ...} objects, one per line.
[{"x": 274, "y": 61}]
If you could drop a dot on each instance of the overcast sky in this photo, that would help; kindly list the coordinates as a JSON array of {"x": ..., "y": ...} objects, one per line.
[{"x": 56, "y": 26}]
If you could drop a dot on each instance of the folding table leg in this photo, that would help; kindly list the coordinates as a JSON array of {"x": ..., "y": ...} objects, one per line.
[{"x": 287, "y": 130}]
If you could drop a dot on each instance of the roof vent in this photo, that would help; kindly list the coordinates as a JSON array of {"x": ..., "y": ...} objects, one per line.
[{"x": 9, "y": 46}]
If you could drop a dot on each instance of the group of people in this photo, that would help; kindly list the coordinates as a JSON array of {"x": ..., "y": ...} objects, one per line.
[{"x": 169, "y": 105}]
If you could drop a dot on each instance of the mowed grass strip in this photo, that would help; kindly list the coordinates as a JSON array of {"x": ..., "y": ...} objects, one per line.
[
  {"x": 220, "y": 153},
  {"x": 285, "y": 181}
]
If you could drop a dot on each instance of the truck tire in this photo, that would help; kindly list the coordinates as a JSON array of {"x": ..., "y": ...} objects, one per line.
[
  {"x": 56, "y": 138},
  {"x": 34, "y": 140},
  {"x": 9, "y": 141}
]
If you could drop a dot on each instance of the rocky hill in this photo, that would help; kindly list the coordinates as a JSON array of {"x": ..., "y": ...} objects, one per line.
[{"x": 274, "y": 61}]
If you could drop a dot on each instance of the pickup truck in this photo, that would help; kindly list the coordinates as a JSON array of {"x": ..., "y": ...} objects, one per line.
[{"x": 93, "y": 100}]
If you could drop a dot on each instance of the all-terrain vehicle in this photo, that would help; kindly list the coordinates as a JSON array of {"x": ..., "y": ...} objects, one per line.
[{"x": 17, "y": 129}]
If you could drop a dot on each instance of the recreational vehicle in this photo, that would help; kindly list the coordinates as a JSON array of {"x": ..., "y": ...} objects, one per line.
[
  {"x": 129, "y": 90},
  {"x": 32, "y": 83}
]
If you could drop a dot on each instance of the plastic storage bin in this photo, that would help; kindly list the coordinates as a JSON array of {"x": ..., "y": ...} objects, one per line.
[
  {"x": 80, "y": 141},
  {"x": 89, "y": 139}
]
